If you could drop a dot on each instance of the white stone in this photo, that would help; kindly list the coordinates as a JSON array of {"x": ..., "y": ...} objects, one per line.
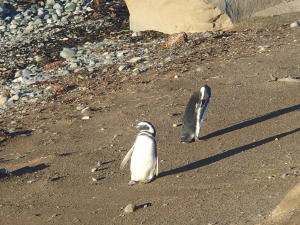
[{"x": 295, "y": 24}]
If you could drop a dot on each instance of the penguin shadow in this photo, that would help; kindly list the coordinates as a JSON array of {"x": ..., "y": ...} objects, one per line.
[
  {"x": 29, "y": 169},
  {"x": 229, "y": 153},
  {"x": 250, "y": 122}
]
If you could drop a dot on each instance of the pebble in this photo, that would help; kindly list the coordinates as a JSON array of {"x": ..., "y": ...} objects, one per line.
[
  {"x": 295, "y": 24},
  {"x": 85, "y": 118},
  {"x": 79, "y": 108},
  {"x": 177, "y": 124},
  {"x": 86, "y": 110},
  {"x": 130, "y": 208},
  {"x": 94, "y": 169},
  {"x": 264, "y": 47},
  {"x": 95, "y": 179},
  {"x": 123, "y": 67}
]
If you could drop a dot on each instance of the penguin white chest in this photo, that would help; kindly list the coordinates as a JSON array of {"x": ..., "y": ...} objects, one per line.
[{"x": 143, "y": 159}]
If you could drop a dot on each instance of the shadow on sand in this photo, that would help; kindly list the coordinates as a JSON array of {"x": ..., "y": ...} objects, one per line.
[
  {"x": 252, "y": 121},
  {"x": 29, "y": 169},
  {"x": 231, "y": 152}
]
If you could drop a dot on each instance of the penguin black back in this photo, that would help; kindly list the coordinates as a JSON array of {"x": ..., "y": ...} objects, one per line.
[{"x": 188, "y": 120}]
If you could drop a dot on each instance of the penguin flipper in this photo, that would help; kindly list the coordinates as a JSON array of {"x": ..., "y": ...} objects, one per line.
[{"x": 126, "y": 158}]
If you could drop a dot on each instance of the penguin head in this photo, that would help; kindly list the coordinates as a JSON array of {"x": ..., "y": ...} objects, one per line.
[
  {"x": 146, "y": 127},
  {"x": 205, "y": 94}
]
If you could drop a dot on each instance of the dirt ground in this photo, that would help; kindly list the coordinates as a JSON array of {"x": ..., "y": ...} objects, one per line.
[{"x": 247, "y": 161}]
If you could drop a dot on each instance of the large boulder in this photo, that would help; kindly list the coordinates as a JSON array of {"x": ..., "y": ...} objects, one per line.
[{"x": 174, "y": 16}]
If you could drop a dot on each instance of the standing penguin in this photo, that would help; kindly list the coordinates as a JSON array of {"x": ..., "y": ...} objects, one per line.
[
  {"x": 143, "y": 155},
  {"x": 194, "y": 115}
]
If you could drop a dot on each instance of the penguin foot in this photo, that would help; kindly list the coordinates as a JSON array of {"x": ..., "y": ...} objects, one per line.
[
  {"x": 132, "y": 182},
  {"x": 148, "y": 180}
]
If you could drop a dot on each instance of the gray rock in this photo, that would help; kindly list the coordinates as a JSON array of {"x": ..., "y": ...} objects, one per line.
[
  {"x": 50, "y": 2},
  {"x": 67, "y": 53},
  {"x": 70, "y": 7},
  {"x": 58, "y": 12},
  {"x": 54, "y": 17},
  {"x": 38, "y": 21},
  {"x": 57, "y": 6},
  {"x": 26, "y": 72}
]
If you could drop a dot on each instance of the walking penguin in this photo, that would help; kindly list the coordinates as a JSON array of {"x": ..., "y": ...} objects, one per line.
[
  {"x": 194, "y": 115},
  {"x": 143, "y": 155}
]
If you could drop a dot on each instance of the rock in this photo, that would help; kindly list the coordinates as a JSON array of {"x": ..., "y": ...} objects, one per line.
[
  {"x": 79, "y": 108},
  {"x": 176, "y": 40},
  {"x": 86, "y": 110},
  {"x": 3, "y": 100},
  {"x": 70, "y": 7},
  {"x": 136, "y": 34},
  {"x": 264, "y": 47},
  {"x": 67, "y": 53},
  {"x": 95, "y": 179},
  {"x": 26, "y": 72},
  {"x": 130, "y": 208},
  {"x": 57, "y": 6},
  {"x": 295, "y": 24},
  {"x": 123, "y": 67},
  {"x": 135, "y": 60},
  {"x": 94, "y": 169},
  {"x": 85, "y": 118},
  {"x": 15, "y": 97},
  {"x": 136, "y": 71},
  {"x": 177, "y": 124}
]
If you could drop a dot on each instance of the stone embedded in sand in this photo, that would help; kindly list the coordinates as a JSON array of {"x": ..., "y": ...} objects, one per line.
[{"x": 130, "y": 208}]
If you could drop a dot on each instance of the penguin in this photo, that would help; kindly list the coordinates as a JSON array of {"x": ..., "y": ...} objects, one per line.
[
  {"x": 194, "y": 115},
  {"x": 143, "y": 155}
]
